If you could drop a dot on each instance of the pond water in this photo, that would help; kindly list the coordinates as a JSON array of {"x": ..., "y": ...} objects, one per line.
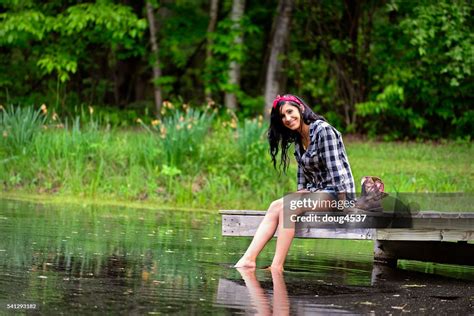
[{"x": 87, "y": 259}]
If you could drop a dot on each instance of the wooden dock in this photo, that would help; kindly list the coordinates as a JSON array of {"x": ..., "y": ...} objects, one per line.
[{"x": 425, "y": 236}]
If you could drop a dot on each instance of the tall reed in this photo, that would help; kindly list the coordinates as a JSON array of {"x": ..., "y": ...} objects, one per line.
[{"x": 20, "y": 125}]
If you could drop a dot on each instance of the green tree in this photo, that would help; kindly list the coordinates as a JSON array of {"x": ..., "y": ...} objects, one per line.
[
  {"x": 422, "y": 78},
  {"x": 54, "y": 40}
]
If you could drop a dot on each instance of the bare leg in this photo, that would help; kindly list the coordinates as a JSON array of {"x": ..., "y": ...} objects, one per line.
[
  {"x": 281, "y": 304},
  {"x": 286, "y": 235},
  {"x": 257, "y": 294},
  {"x": 274, "y": 218},
  {"x": 264, "y": 233}
]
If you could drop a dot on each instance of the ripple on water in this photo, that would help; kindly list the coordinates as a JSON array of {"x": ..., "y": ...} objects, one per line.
[{"x": 85, "y": 260}]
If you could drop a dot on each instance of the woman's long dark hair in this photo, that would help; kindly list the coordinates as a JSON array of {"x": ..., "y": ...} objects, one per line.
[{"x": 281, "y": 136}]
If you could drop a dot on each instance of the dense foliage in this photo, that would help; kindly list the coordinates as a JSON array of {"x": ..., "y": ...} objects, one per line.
[
  {"x": 393, "y": 68},
  {"x": 193, "y": 158}
]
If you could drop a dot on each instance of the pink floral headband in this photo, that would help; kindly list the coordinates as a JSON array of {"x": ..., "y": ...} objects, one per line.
[{"x": 286, "y": 98}]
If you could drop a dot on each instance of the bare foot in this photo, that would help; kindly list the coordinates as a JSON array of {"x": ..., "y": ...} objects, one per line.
[
  {"x": 245, "y": 263},
  {"x": 247, "y": 274}
]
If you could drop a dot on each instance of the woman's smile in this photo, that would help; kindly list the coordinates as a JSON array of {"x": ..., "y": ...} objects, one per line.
[{"x": 290, "y": 123}]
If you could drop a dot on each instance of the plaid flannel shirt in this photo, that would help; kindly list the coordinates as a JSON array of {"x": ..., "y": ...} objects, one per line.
[{"x": 324, "y": 164}]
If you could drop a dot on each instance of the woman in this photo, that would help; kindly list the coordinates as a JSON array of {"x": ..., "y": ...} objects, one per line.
[{"x": 322, "y": 167}]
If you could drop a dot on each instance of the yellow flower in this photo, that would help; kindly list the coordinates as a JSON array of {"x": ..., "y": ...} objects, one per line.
[
  {"x": 5, "y": 134},
  {"x": 55, "y": 116},
  {"x": 185, "y": 107},
  {"x": 190, "y": 126},
  {"x": 139, "y": 120},
  {"x": 2, "y": 108},
  {"x": 91, "y": 110},
  {"x": 44, "y": 109},
  {"x": 168, "y": 104},
  {"x": 210, "y": 103},
  {"x": 178, "y": 127},
  {"x": 163, "y": 131},
  {"x": 233, "y": 123},
  {"x": 155, "y": 122}
]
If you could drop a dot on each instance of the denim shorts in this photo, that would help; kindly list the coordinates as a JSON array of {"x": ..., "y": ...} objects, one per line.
[{"x": 331, "y": 191}]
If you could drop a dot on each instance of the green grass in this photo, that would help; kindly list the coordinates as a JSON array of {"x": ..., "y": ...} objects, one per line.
[
  {"x": 415, "y": 167},
  {"x": 199, "y": 160}
]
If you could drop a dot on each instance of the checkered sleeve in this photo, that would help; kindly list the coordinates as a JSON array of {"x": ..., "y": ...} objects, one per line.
[
  {"x": 301, "y": 179},
  {"x": 328, "y": 142}
]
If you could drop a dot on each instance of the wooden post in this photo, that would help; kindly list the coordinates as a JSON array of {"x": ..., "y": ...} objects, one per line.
[
  {"x": 381, "y": 273},
  {"x": 383, "y": 257}
]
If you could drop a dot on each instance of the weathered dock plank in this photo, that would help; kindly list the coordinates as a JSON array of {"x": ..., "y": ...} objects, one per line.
[
  {"x": 426, "y": 236},
  {"x": 422, "y": 226}
]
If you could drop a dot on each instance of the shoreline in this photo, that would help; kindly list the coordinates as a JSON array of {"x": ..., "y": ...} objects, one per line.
[{"x": 67, "y": 199}]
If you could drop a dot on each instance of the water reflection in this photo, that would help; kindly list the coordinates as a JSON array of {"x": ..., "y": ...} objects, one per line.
[
  {"x": 274, "y": 299},
  {"x": 82, "y": 260},
  {"x": 257, "y": 295},
  {"x": 391, "y": 290}
]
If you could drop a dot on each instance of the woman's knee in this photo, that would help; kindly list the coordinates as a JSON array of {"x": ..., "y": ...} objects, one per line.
[{"x": 276, "y": 207}]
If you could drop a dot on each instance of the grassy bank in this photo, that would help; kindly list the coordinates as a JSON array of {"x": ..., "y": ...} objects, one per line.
[{"x": 197, "y": 160}]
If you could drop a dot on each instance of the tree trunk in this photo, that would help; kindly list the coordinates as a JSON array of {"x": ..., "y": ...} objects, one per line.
[
  {"x": 237, "y": 13},
  {"x": 351, "y": 79},
  {"x": 155, "y": 56},
  {"x": 213, "y": 10},
  {"x": 278, "y": 43}
]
